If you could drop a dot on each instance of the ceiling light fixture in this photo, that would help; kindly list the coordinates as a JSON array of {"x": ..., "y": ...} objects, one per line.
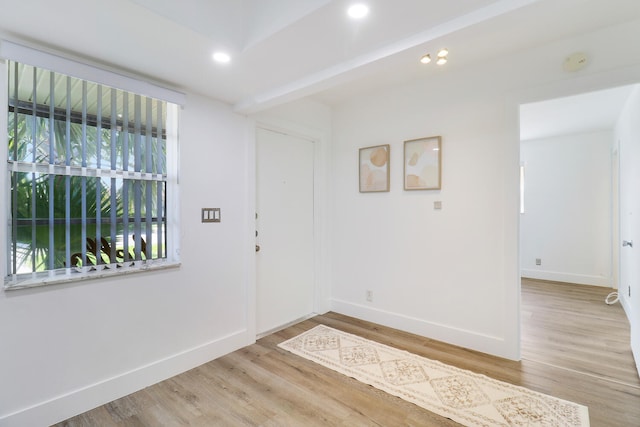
[
  {"x": 221, "y": 57},
  {"x": 426, "y": 59},
  {"x": 358, "y": 11},
  {"x": 441, "y": 57}
]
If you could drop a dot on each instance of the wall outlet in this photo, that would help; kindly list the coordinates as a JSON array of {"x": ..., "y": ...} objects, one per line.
[
  {"x": 369, "y": 296},
  {"x": 538, "y": 261}
]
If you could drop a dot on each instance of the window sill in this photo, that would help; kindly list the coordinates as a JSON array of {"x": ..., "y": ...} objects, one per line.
[{"x": 71, "y": 275}]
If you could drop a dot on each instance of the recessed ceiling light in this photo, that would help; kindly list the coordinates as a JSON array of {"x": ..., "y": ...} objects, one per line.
[
  {"x": 221, "y": 57},
  {"x": 358, "y": 11},
  {"x": 443, "y": 52},
  {"x": 426, "y": 59},
  {"x": 442, "y": 60}
]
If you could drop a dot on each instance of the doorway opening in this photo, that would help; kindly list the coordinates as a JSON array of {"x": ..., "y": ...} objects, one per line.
[{"x": 570, "y": 233}]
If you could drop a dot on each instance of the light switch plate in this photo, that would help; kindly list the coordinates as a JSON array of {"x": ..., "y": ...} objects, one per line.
[{"x": 210, "y": 214}]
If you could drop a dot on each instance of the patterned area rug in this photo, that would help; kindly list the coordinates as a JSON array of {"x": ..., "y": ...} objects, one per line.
[{"x": 463, "y": 396}]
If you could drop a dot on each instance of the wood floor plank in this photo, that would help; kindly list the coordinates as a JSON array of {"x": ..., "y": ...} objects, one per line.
[{"x": 573, "y": 349}]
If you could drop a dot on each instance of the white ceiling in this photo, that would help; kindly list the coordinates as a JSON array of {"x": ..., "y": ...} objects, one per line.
[
  {"x": 287, "y": 49},
  {"x": 588, "y": 112}
]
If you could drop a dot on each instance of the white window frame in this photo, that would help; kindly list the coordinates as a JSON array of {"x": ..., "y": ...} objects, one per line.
[{"x": 52, "y": 61}]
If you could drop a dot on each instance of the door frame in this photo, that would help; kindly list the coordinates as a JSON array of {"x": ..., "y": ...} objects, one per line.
[{"x": 321, "y": 281}]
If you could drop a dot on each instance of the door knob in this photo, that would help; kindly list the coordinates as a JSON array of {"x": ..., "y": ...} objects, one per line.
[{"x": 627, "y": 243}]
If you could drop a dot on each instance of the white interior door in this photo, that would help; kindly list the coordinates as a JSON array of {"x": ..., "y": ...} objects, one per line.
[
  {"x": 629, "y": 153},
  {"x": 284, "y": 225}
]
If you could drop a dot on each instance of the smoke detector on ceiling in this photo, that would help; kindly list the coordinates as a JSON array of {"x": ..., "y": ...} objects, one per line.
[{"x": 575, "y": 62}]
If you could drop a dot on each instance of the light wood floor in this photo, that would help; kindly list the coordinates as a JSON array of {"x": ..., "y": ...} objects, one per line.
[
  {"x": 571, "y": 326},
  {"x": 267, "y": 386}
]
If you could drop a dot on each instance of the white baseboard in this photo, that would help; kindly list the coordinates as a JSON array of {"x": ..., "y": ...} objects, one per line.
[
  {"x": 81, "y": 400},
  {"x": 463, "y": 338},
  {"x": 555, "y": 276}
]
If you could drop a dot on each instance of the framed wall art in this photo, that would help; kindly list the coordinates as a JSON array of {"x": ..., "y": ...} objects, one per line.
[
  {"x": 423, "y": 163},
  {"x": 374, "y": 169}
]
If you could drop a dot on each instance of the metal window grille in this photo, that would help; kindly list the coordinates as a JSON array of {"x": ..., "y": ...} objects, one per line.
[{"x": 88, "y": 174}]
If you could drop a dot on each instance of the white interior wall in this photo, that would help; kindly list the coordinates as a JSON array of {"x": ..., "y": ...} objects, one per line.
[
  {"x": 68, "y": 348},
  {"x": 428, "y": 269},
  {"x": 452, "y": 274},
  {"x": 627, "y": 135},
  {"x": 567, "y": 222}
]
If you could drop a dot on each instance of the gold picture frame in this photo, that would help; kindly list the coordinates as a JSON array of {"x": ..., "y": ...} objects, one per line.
[
  {"x": 373, "y": 169},
  {"x": 423, "y": 163}
]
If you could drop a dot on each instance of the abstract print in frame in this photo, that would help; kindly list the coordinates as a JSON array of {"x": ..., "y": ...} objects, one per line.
[
  {"x": 374, "y": 169},
  {"x": 422, "y": 163}
]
